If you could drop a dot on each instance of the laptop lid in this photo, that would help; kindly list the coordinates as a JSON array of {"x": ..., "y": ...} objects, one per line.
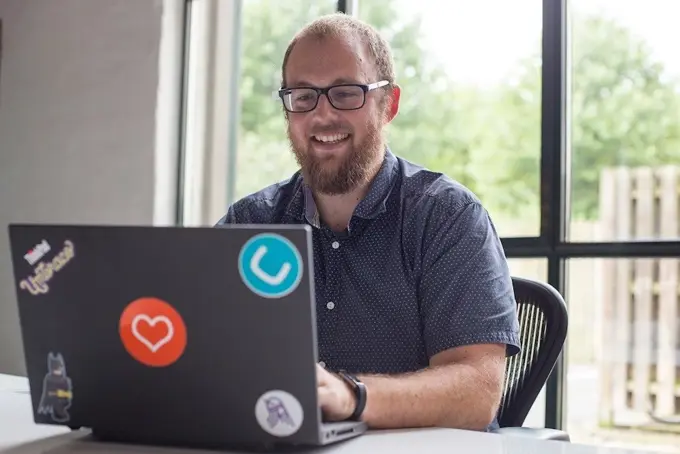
[{"x": 197, "y": 336}]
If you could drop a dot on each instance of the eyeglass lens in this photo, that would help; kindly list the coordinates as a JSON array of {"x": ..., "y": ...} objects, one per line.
[{"x": 341, "y": 97}]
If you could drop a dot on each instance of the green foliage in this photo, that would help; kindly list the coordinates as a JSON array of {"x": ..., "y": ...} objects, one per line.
[
  {"x": 263, "y": 155},
  {"x": 268, "y": 27},
  {"x": 623, "y": 110}
]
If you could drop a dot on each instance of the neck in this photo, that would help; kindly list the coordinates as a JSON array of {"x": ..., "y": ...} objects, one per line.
[{"x": 336, "y": 210}]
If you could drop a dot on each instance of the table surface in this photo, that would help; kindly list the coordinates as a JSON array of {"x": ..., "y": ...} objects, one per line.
[{"x": 20, "y": 435}]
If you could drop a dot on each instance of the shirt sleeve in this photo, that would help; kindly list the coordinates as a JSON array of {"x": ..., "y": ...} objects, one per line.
[
  {"x": 228, "y": 218},
  {"x": 465, "y": 290}
]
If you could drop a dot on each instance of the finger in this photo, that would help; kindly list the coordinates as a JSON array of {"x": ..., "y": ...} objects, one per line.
[
  {"x": 327, "y": 403},
  {"x": 321, "y": 376},
  {"x": 324, "y": 397}
]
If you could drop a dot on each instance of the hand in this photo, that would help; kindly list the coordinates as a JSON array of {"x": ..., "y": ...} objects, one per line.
[{"x": 336, "y": 398}]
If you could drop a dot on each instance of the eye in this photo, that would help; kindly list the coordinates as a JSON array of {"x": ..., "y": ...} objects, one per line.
[{"x": 346, "y": 94}]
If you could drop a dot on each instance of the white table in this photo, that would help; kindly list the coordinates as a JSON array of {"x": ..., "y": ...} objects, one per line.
[{"x": 20, "y": 435}]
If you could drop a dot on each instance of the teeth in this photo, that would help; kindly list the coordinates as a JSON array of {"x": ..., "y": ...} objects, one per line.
[{"x": 333, "y": 138}]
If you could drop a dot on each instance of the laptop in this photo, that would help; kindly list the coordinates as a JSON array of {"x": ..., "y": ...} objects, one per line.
[{"x": 194, "y": 336}]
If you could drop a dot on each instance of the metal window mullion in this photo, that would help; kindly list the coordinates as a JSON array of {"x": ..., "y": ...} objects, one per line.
[{"x": 554, "y": 185}]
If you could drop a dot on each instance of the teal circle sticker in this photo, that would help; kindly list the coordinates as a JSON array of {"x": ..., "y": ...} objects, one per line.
[{"x": 270, "y": 265}]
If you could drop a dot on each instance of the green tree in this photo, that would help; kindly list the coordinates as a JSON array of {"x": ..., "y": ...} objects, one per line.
[
  {"x": 267, "y": 28},
  {"x": 434, "y": 127},
  {"x": 263, "y": 155},
  {"x": 435, "y": 136},
  {"x": 624, "y": 111}
]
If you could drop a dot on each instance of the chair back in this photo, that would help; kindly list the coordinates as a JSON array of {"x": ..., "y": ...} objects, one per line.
[{"x": 543, "y": 324}]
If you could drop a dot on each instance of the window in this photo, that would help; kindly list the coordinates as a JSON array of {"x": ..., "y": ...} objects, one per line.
[
  {"x": 471, "y": 96},
  {"x": 625, "y": 121},
  {"x": 624, "y": 134},
  {"x": 471, "y": 78},
  {"x": 263, "y": 156},
  {"x": 622, "y": 354}
]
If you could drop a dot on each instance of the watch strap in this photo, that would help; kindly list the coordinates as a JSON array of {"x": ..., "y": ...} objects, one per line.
[{"x": 359, "y": 390}]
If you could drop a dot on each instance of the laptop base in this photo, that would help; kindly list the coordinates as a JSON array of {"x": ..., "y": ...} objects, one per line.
[
  {"x": 338, "y": 431},
  {"x": 331, "y": 433}
]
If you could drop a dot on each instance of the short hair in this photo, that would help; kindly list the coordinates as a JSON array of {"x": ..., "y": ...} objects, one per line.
[{"x": 341, "y": 25}]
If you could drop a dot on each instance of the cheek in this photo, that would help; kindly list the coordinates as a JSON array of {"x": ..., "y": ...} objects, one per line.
[
  {"x": 296, "y": 129},
  {"x": 357, "y": 122},
  {"x": 364, "y": 124}
]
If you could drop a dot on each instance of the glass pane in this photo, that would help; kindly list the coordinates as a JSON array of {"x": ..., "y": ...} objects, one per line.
[
  {"x": 536, "y": 269},
  {"x": 623, "y": 376},
  {"x": 263, "y": 156},
  {"x": 625, "y": 131},
  {"x": 470, "y": 73}
]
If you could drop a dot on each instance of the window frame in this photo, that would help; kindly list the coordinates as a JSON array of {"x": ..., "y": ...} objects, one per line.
[{"x": 552, "y": 242}]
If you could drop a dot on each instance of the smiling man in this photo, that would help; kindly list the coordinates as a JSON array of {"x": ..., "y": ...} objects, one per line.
[{"x": 415, "y": 306}]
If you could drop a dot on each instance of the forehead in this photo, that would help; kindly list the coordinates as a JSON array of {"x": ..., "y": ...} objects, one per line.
[{"x": 325, "y": 61}]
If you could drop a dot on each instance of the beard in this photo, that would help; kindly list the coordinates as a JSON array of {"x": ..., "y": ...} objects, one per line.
[{"x": 336, "y": 176}]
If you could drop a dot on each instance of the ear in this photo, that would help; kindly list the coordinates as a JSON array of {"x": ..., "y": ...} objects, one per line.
[{"x": 393, "y": 103}]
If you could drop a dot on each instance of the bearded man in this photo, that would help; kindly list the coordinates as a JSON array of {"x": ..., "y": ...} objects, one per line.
[{"x": 414, "y": 295}]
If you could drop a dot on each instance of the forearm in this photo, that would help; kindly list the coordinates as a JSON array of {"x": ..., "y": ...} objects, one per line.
[{"x": 455, "y": 395}]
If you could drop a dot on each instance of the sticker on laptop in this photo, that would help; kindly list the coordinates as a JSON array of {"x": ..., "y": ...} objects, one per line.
[
  {"x": 37, "y": 252},
  {"x": 57, "y": 392},
  {"x": 279, "y": 413},
  {"x": 45, "y": 270},
  {"x": 270, "y": 265},
  {"x": 152, "y": 332}
]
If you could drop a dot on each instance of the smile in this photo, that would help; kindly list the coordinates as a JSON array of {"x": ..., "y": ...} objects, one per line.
[{"x": 334, "y": 138}]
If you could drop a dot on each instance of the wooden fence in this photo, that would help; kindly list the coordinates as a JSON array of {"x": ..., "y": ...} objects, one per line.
[{"x": 640, "y": 326}]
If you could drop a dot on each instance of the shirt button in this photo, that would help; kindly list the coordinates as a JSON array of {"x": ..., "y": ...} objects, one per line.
[
  {"x": 335, "y": 245},
  {"x": 330, "y": 305},
  {"x": 322, "y": 364}
]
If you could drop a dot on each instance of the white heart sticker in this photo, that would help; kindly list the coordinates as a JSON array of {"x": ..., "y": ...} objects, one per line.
[{"x": 152, "y": 322}]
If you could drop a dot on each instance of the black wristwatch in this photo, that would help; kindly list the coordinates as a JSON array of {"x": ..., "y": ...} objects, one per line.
[{"x": 359, "y": 392}]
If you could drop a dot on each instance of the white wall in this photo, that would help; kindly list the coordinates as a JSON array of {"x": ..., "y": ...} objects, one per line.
[{"x": 88, "y": 130}]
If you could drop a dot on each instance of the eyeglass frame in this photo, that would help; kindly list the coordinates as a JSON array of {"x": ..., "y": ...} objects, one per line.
[{"x": 279, "y": 94}]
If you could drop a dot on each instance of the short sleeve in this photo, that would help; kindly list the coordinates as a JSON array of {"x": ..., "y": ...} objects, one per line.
[
  {"x": 465, "y": 288},
  {"x": 228, "y": 218}
]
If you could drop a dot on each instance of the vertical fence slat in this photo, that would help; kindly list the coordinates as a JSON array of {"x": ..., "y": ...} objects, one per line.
[
  {"x": 606, "y": 350},
  {"x": 667, "y": 326},
  {"x": 643, "y": 291},
  {"x": 621, "y": 293}
]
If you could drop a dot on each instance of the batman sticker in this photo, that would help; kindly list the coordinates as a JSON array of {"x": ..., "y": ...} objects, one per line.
[{"x": 57, "y": 391}]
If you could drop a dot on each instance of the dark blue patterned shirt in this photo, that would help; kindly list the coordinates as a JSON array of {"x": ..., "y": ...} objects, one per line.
[{"x": 420, "y": 269}]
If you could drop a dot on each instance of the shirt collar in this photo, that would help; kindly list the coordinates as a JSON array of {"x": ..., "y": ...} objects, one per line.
[{"x": 302, "y": 205}]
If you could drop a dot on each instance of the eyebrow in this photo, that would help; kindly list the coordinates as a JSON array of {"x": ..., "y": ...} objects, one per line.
[{"x": 338, "y": 81}]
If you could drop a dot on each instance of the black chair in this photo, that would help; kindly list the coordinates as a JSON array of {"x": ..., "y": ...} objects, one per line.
[{"x": 543, "y": 329}]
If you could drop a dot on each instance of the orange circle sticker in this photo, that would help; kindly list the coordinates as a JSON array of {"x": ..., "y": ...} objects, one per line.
[{"x": 153, "y": 332}]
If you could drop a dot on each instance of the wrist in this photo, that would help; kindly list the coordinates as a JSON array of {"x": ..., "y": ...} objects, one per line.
[
  {"x": 357, "y": 393},
  {"x": 351, "y": 401}
]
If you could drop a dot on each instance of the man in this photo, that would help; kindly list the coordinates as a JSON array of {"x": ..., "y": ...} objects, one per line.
[{"x": 413, "y": 290}]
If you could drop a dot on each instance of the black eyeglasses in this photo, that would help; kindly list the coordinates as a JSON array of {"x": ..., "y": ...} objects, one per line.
[{"x": 342, "y": 97}]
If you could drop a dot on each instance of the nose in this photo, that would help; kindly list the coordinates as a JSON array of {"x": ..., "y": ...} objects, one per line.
[{"x": 324, "y": 107}]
